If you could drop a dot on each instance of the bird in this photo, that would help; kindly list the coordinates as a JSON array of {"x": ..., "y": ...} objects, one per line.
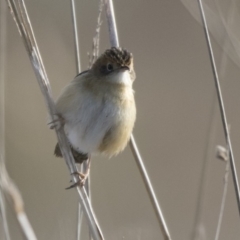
[{"x": 98, "y": 107}]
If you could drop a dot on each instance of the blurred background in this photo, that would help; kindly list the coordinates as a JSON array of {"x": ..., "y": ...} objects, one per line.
[{"x": 178, "y": 122}]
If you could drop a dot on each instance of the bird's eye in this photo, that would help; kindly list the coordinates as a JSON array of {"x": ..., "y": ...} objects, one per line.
[
  {"x": 109, "y": 67},
  {"x": 105, "y": 69}
]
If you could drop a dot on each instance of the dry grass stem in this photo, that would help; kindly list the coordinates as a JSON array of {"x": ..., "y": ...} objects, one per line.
[
  {"x": 76, "y": 40},
  {"x": 3, "y": 10},
  {"x": 3, "y": 216},
  {"x": 198, "y": 234},
  {"x": 11, "y": 191},
  {"x": 221, "y": 105},
  {"x": 78, "y": 70},
  {"x": 24, "y": 25},
  {"x": 223, "y": 154},
  {"x": 96, "y": 39},
  {"x": 113, "y": 35}
]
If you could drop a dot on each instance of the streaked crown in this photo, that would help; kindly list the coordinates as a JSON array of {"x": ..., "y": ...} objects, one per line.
[
  {"x": 113, "y": 61},
  {"x": 119, "y": 56}
]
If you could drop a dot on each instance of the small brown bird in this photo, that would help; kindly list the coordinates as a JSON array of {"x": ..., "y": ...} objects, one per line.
[{"x": 98, "y": 106}]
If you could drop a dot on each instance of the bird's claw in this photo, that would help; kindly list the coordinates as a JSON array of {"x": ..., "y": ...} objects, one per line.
[
  {"x": 57, "y": 122},
  {"x": 82, "y": 179}
]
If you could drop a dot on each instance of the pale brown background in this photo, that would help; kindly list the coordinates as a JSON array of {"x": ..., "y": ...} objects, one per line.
[{"x": 174, "y": 95}]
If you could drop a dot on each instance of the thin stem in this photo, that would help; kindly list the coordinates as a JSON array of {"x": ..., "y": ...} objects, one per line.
[
  {"x": 115, "y": 43},
  {"x": 223, "y": 200},
  {"x": 226, "y": 177},
  {"x": 221, "y": 105},
  {"x": 198, "y": 223},
  {"x": 96, "y": 39},
  {"x": 76, "y": 39},
  {"x": 150, "y": 189},
  {"x": 24, "y": 25},
  {"x": 112, "y": 27},
  {"x": 198, "y": 227},
  {"x": 3, "y": 215},
  {"x": 79, "y": 222},
  {"x": 10, "y": 189},
  {"x": 25, "y": 224},
  {"x": 3, "y": 36},
  {"x": 78, "y": 70}
]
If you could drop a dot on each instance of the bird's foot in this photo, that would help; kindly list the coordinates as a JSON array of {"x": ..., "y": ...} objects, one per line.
[
  {"x": 57, "y": 122},
  {"x": 82, "y": 179},
  {"x": 82, "y": 176}
]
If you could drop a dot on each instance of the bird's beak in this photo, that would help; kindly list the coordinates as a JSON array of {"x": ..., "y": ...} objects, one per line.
[{"x": 124, "y": 68}]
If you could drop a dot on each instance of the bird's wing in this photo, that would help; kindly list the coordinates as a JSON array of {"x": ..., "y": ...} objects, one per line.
[{"x": 71, "y": 97}]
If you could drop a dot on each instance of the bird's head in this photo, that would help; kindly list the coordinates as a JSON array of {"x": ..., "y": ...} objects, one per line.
[{"x": 115, "y": 65}]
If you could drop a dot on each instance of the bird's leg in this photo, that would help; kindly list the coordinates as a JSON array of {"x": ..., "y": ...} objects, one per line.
[
  {"x": 57, "y": 122},
  {"x": 82, "y": 176}
]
